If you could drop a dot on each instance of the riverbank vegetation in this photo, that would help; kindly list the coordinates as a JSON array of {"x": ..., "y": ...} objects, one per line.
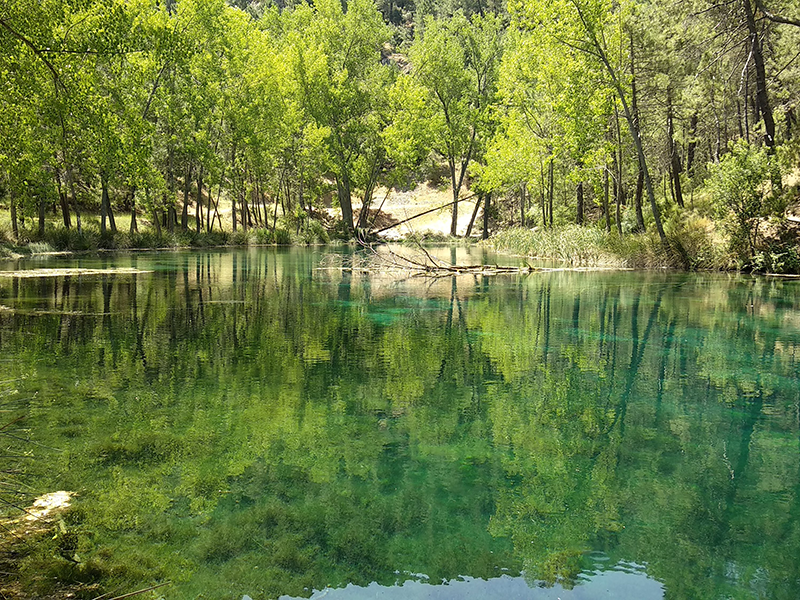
[{"x": 188, "y": 122}]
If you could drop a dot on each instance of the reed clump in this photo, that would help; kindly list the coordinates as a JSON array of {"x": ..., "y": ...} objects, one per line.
[{"x": 689, "y": 245}]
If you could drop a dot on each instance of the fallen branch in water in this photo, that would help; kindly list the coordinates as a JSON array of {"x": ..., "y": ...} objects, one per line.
[{"x": 423, "y": 263}]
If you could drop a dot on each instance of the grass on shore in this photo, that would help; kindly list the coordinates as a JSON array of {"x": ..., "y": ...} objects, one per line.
[
  {"x": 593, "y": 247},
  {"x": 57, "y": 238}
]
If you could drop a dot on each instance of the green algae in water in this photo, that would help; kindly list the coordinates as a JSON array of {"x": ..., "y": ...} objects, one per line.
[{"x": 243, "y": 423}]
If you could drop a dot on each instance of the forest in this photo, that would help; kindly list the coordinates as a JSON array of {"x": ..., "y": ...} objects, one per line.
[{"x": 660, "y": 128}]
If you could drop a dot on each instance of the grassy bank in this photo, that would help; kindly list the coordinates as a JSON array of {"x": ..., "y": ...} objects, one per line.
[
  {"x": 59, "y": 239},
  {"x": 593, "y": 247},
  {"x": 691, "y": 244}
]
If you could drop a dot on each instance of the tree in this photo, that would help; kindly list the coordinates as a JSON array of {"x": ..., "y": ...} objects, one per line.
[
  {"x": 447, "y": 102},
  {"x": 336, "y": 63},
  {"x": 594, "y": 27}
]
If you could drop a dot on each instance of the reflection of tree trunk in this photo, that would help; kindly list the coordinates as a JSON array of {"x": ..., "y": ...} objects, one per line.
[
  {"x": 603, "y": 307},
  {"x": 63, "y": 308},
  {"x": 453, "y": 291},
  {"x": 546, "y": 349},
  {"x": 108, "y": 322},
  {"x": 744, "y": 437},
  {"x": 344, "y": 287},
  {"x": 576, "y": 312},
  {"x": 669, "y": 335},
  {"x": 134, "y": 299},
  {"x": 637, "y": 352}
]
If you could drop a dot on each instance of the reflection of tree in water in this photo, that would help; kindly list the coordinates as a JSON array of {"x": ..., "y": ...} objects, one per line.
[{"x": 245, "y": 409}]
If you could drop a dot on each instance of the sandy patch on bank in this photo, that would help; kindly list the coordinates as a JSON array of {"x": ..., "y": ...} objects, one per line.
[{"x": 401, "y": 205}]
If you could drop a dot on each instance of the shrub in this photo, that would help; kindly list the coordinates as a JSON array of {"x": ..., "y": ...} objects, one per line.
[
  {"x": 740, "y": 191},
  {"x": 61, "y": 238}
]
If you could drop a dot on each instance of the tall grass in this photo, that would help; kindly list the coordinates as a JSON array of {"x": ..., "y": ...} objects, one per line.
[
  {"x": 56, "y": 239},
  {"x": 577, "y": 246}
]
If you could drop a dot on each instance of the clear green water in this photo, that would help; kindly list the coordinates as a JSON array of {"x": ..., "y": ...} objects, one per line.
[{"x": 243, "y": 422}]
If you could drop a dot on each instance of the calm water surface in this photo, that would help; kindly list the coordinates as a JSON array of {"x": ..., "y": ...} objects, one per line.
[{"x": 248, "y": 423}]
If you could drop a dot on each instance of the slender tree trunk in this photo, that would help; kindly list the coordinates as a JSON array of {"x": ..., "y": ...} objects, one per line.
[
  {"x": 14, "y": 224},
  {"x": 42, "y": 212},
  {"x": 472, "y": 218},
  {"x": 217, "y": 216},
  {"x": 62, "y": 197},
  {"x": 606, "y": 212},
  {"x": 691, "y": 148},
  {"x": 106, "y": 213},
  {"x": 486, "y": 207},
  {"x": 187, "y": 188},
  {"x": 74, "y": 199},
  {"x": 618, "y": 193},
  {"x": 112, "y": 222},
  {"x": 345, "y": 200},
  {"x": 522, "y": 189},
  {"x": 234, "y": 201},
  {"x": 542, "y": 191},
  {"x": 171, "y": 216},
  {"x": 209, "y": 206},
  {"x": 377, "y": 167},
  {"x": 762, "y": 97},
  {"x": 157, "y": 221},
  {"x": 550, "y": 190},
  {"x": 747, "y": 105},
  {"x": 134, "y": 228},
  {"x": 579, "y": 210},
  {"x": 740, "y": 119},
  {"x": 634, "y": 115},
  {"x": 198, "y": 205},
  {"x": 637, "y": 201},
  {"x": 456, "y": 190},
  {"x": 103, "y": 203},
  {"x": 675, "y": 161},
  {"x": 235, "y": 194}
]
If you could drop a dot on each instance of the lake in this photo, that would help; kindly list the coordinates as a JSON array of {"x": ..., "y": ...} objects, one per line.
[{"x": 262, "y": 423}]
